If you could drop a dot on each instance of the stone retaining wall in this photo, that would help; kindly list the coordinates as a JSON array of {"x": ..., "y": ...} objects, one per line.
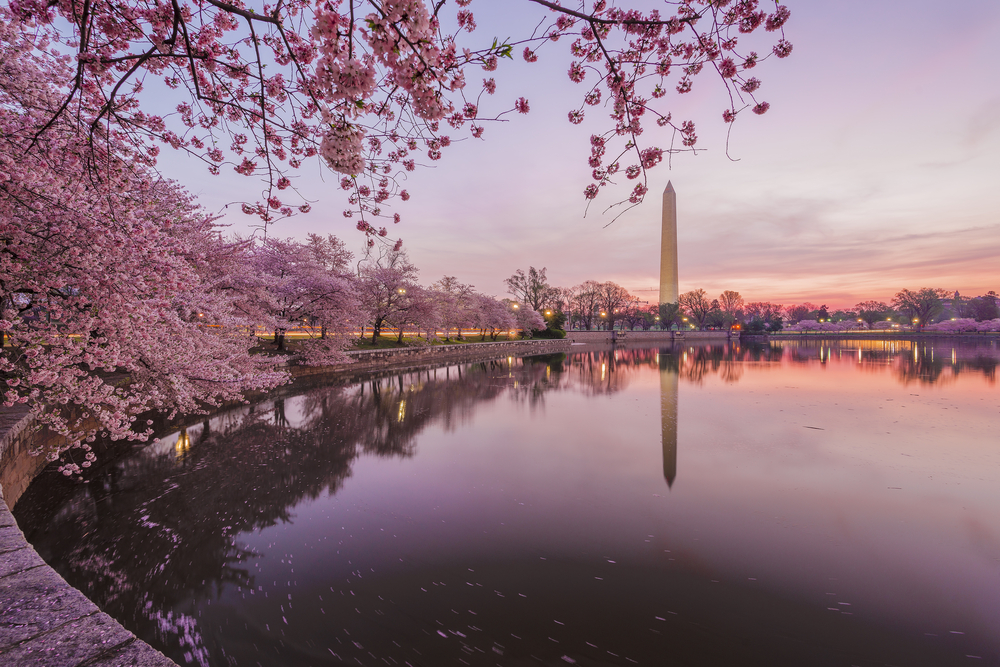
[
  {"x": 44, "y": 620},
  {"x": 17, "y": 466},
  {"x": 413, "y": 357}
]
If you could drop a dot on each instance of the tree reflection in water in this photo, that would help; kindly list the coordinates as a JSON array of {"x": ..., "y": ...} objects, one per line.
[
  {"x": 928, "y": 361},
  {"x": 148, "y": 531},
  {"x": 154, "y": 529}
]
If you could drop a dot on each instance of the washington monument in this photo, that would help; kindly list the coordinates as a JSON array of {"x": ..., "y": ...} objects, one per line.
[
  {"x": 668, "y": 375},
  {"x": 668, "y": 247}
]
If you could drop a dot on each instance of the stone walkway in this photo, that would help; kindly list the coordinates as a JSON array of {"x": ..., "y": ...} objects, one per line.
[{"x": 43, "y": 620}]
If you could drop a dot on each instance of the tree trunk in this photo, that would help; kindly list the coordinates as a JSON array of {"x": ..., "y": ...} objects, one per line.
[{"x": 400, "y": 338}]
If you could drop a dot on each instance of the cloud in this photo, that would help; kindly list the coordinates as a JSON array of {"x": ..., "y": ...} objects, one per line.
[{"x": 982, "y": 124}]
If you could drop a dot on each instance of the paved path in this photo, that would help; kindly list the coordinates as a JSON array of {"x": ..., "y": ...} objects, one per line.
[{"x": 43, "y": 620}]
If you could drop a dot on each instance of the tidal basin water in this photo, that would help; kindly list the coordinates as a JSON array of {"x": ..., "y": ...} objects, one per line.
[{"x": 799, "y": 503}]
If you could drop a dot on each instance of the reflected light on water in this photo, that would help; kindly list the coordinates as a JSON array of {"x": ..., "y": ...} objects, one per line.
[
  {"x": 183, "y": 444},
  {"x": 802, "y": 503}
]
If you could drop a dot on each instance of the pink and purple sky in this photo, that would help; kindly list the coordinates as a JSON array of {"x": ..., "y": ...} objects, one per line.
[{"x": 877, "y": 168}]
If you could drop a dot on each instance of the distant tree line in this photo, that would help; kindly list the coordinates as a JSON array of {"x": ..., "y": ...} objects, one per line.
[{"x": 594, "y": 305}]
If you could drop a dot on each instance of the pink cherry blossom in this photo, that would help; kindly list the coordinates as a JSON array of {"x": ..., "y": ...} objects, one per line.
[
  {"x": 360, "y": 84},
  {"x": 782, "y": 49},
  {"x": 356, "y": 82}
]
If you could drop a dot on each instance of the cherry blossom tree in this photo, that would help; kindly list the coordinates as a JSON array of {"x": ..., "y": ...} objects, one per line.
[
  {"x": 418, "y": 310},
  {"x": 815, "y": 325},
  {"x": 308, "y": 283},
  {"x": 385, "y": 285},
  {"x": 370, "y": 87},
  {"x": 455, "y": 305},
  {"x": 957, "y": 325},
  {"x": 492, "y": 316},
  {"x": 107, "y": 284},
  {"x": 528, "y": 319}
]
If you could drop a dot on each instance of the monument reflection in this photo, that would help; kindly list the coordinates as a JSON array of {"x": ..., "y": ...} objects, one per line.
[{"x": 668, "y": 413}]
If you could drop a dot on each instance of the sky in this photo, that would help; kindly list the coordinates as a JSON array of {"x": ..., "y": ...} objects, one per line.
[{"x": 875, "y": 169}]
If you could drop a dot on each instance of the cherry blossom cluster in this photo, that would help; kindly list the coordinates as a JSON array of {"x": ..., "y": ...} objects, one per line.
[
  {"x": 368, "y": 87},
  {"x": 965, "y": 324},
  {"x": 119, "y": 296},
  {"x": 628, "y": 57},
  {"x": 815, "y": 325},
  {"x": 392, "y": 297},
  {"x": 111, "y": 295}
]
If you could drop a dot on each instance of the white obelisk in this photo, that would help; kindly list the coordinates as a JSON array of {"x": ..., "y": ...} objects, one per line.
[{"x": 668, "y": 247}]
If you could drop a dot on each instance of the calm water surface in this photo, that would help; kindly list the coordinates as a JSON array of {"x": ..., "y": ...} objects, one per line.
[{"x": 813, "y": 503}]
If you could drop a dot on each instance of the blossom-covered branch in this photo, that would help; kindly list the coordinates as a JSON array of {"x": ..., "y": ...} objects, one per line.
[{"x": 371, "y": 87}]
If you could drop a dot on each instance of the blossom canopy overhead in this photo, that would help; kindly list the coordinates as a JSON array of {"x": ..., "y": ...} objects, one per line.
[{"x": 371, "y": 87}]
